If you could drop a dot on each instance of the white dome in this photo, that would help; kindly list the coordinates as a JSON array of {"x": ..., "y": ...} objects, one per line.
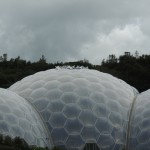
[
  {"x": 18, "y": 118},
  {"x": 80, "y": 106},
  {"x": 140, "y": 123}
]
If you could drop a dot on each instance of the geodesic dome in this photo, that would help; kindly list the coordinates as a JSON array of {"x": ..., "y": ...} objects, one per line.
[
  {"x": 140, "y": 123},
  {"x": 18, "y": 119},
  {"x": 80, "y": 107}
]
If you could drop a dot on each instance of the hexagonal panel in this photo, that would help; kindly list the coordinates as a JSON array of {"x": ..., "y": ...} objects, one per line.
[
  {"x": 71, "y": 111},
  {"x": 83, "y": 91},
  {"x": 106, "y": 141},
  {"x": 30, "y": 138},
  {"x": 53, "y": 94},
  {"x": 98, "y": 97},
  {"x": 46, "y": 114},
  {"x": 41, "y": 103},
  {"x": 144, "y": 136},
  {"x": 74, "y": 141},
  {"x": 17, "y": 131},
  {"x": 116, "y": 119},
  {"x": 69, "y": 97},
  {"x": 11, "y": 119},
  {"x": 73, "y": 126},
  {"x": 59, "y": 135},
  {"x": 113, "y": 105},
  {"x": 90, "y": 134},
  {"x": 67, "y": 87},
  {"x": 57, "y": 120},
  {"x": 87, "y": 118},
  {"x": 4, "y": 127},
  {"x": 104, "y": 125},
  {"x": 145, "y": 124},
  {"x": 56, "y": 106},
  {"x": 86, "y": 103},
  {"x": 101, "y": 110},
  {"x": 119, "y": 135}
]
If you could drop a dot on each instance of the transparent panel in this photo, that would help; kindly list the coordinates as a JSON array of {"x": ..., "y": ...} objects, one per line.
[
  {"x": 98, "y": 97},
  {"x": 74, "y": 141},
  {"x": 83, "y": 91},
  {"x": 110, "y": 93},
  {"x": 11, "y": 119},
  {"x": 106, "y": 141},
  {"x": 104, "y": 125},
  {"x": 67, "y": 87},
  {"x": 46, "y": 114},
  {"x": 53, "y": 94},
  {"x": 37, "y": 84},
  {"x": 101, "y": 110},
  {"x": 81, "y": 82},
  {"x": 135, "y": 130},
  {"x": 87, "y": 117},
  {"x": 90, "y": 134},
  {"x": 119, "y": 135},
  {"x": 73, "y": 126},
  {"x": 86, "y": 103},
  {"x": 4, "y": 109},
  {"x": 4, "y": 127},
  {"x": 114, "y": 106},
  {"x": 30, "y": 138},
  {"x": 57, "y": 120},
  {"x": 19, "y": 113},
  {"x": 49, "y": 126},
  {"x": 116, "y": 119},
  {"x": 25, "y": 125},
  {"x": 56, "y": 106},
  {"x": 71, "y": 111},
  {"x": 1, "y": 116},
  {"x": 69, "y": 97},
  {"x": 38, "y": 93},
  {"x": 146, "y": 113},
  {"x": 16, "y": 131},
  {"x": 41, "y": 103},
  {"x": 145, "y": 124},
  {"x": 52, "y": 84},
  {"x": 59, "y": 135},
  {"x": 144, "y": 136}
]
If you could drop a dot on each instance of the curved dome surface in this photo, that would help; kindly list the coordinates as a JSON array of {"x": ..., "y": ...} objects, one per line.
[
  {"x": 140, "y": 123},
  {"x": 18, "y": 118},
  {"x": 80, "y": 106}
]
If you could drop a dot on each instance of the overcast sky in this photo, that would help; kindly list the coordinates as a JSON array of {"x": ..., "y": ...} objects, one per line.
[{"x": 70, "y": 30}]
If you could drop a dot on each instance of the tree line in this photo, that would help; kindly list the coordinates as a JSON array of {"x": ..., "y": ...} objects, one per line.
[
  {"x": 133, "y": 69},
  {"x": 17, "y": 143}
]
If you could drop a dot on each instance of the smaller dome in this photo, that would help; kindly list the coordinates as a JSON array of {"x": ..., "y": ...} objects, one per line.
[
  {"x": 140, "y": 123},
  {"x": 18, "y": 119}
]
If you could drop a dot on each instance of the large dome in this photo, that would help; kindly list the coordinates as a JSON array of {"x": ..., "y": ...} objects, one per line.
[
  {"x": 18, "y": 118},
  {"x": 80, "y": 107}
]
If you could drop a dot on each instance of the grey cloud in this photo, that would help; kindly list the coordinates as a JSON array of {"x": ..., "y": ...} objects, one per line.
[{"x": 65, "y": 30}]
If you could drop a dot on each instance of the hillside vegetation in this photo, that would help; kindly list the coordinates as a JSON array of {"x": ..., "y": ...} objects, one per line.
[{"x": 133, "y": 69}]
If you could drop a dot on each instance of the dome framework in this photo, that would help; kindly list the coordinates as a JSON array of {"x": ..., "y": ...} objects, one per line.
[{"x": 80, "y": 107}]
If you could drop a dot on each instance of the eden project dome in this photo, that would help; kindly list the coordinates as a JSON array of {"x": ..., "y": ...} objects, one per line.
[
  {"x": 18, "y": 119},
  {"x": 140, "y": 123},
  {"x": 81, "y": 108}
]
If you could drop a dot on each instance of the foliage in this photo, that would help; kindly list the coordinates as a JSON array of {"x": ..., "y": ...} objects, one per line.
[
  {"x": 6, "y": 142},
  {"x": 135, "y": 70}
]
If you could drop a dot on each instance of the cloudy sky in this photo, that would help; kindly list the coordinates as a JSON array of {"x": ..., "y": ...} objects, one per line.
[{"x": 70, "y": 30}]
